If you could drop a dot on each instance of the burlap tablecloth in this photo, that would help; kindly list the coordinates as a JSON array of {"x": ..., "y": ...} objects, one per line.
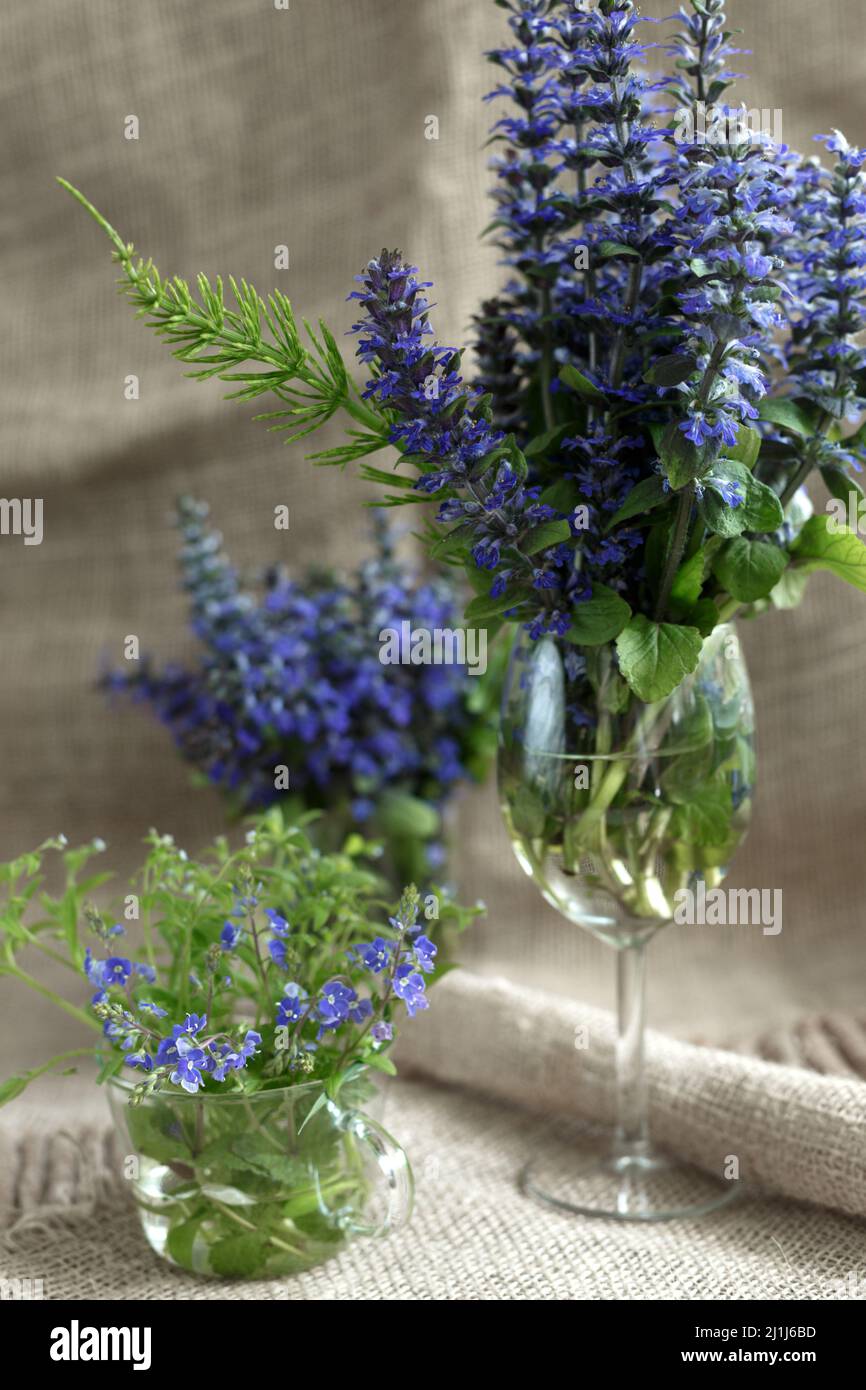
[
  {"x": 473, "y": 1235},
  {"x": 67, "y": 1221}
]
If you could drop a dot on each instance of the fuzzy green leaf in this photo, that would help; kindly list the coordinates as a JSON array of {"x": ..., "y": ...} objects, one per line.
[
  {"x": 600, "y": 619},
  {"x": 644, "y": 496},
  {"x": 576, "y": 381},
  {"x": 607, "y": 249},
  {"x": 681, "y": 460},
  {"x": 788, "y": 415},
  {"x": 654, "y": 657},
  {"x": 542, "y": 537},
  {"x": 819, "y": 548},
  {"x": 484, "y": 607},
  {"x": 759, "y": 508},
  {"x": 749, "y": 569},
  {"x": 747, "y": 447},
  {"x": 671, "y": 370}
]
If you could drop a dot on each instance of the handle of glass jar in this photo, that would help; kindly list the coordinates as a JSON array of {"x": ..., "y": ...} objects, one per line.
[{"x": 392, "y": 1165}]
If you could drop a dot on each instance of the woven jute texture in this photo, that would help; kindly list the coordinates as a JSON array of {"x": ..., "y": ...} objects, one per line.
[
  {"x": 792, "y": 1130},
  {"x": 473, "y": 1236}
]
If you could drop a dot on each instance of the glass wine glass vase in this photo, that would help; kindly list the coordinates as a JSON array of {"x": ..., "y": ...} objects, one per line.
[{"x": 615, "y": 808}]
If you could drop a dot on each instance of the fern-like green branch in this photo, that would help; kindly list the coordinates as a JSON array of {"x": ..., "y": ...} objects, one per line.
[{"x": 225, "y": 342}]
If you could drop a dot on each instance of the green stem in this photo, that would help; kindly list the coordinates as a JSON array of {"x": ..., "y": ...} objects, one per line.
[
  {"x": 677, "y": 546},
  {"x": 729, "y": 608},
  {"x": 616, "y": 774},
  {"x": 546, "y": 372},
  {"x": 60, "y": 1057},
  {"x": 617, "y": 364},
  {"x": 71, "y": 1009},
  {"x": 270, "y": 1239},
  {"x": 807, "y": 462}
]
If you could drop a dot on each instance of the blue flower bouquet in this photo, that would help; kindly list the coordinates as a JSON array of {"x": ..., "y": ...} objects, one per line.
[
  {"x": 240, "y": 1037},
  {"x": 296, "y": 701},
  {"x": 674, "y": 354}
]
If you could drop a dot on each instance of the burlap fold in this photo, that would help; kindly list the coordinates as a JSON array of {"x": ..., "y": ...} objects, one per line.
[{"x": 794, "y": 1131}]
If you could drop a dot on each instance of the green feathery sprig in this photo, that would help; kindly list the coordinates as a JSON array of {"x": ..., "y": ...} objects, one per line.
[{"x": 222, "y": 342}]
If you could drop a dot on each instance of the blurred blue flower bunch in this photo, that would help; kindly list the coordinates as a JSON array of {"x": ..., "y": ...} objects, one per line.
[{"x": 290, "y": 701}]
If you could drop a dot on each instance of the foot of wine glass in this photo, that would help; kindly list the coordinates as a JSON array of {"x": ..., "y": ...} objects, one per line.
[{"x": 626, "y": 1179}]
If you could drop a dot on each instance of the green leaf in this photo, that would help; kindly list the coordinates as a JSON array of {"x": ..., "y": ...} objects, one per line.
[
  {"x": 747, "y": 447},
  {"x": 528, "y": 815},
  {"x": 317, "y": 1105},
  {"x": 840, "y": 485},
  {"x": 180, "y": 1240},
  {"x": 542, "y": 443},
  {"x": 701, "y": 268},
  {"x": 796, "y": 419},
  {"x": 705, "y": 817},
  {"x": 606, "y": 249},
  {"x": 671, "y": 370},
  {"x": 719, "y": 516},
  {"x": 789, "y": 591},
  {"x": 648, "y": 493},
  {"x": 749, "y": 569},
  {"x": 259, "y": 1153},
  {"x": 759, "y": 510},
  {"x": 599, "y": 619},
  {"x": 654, "y": 657},
  {"x": 454, "y": 542},
  {"x": 576, "y": 381},
  {"x": 379, "y": 1060},
  {"x": 840, "y": 551},
  {"x": 541, "y": 537},
  {"x": 704, "y": 615},
  {"x": 689, "y": 579},
  {"x": 239, "y": 1256},
  {"x": 401, "y": 814},
  {"x": 483, "y": 607},
  {"x": 681, "y": 460},
  {"x": 563, "y": 496},
  {"x": 150, "y": 1128},
  {"x": 13, "y": 1086},
  {"x": 694, "y": 730}
]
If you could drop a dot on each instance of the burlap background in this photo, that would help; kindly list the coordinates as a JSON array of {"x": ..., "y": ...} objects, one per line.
[{"x": 306, "y": 127}]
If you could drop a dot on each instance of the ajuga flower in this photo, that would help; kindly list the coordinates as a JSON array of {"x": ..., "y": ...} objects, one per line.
[
  {"x": 291, "y": 677},
  {"x": 672, "y": 352}
]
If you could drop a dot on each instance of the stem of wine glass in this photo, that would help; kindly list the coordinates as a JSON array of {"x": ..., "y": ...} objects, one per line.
[{"x": 632, "y": 1136}]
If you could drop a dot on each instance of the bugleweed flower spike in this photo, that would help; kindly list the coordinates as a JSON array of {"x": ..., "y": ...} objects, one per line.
[{"x": 672, "y": 354}]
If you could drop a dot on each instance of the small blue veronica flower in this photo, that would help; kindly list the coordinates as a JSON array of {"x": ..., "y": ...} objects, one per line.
[
  {"x": 334, "y": 1002},
  {"x": 409, "y": 986},
  {"x": 188, "y": 1071},
  {"x": 375, "y": 956},
  {"x": 277, "y": 951},
  {"x": 358, "y": 1012},
  {"x": 230, "y": 936},
  {"x": 278, "y": 923},
  {"x": 147, "y": 1007},
  {"x": 116, "y": 970},
  {"x": 291, "y": 1007},
  {"x": 139, "y": 1059},
  {"x": 424, "y": 950}
]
